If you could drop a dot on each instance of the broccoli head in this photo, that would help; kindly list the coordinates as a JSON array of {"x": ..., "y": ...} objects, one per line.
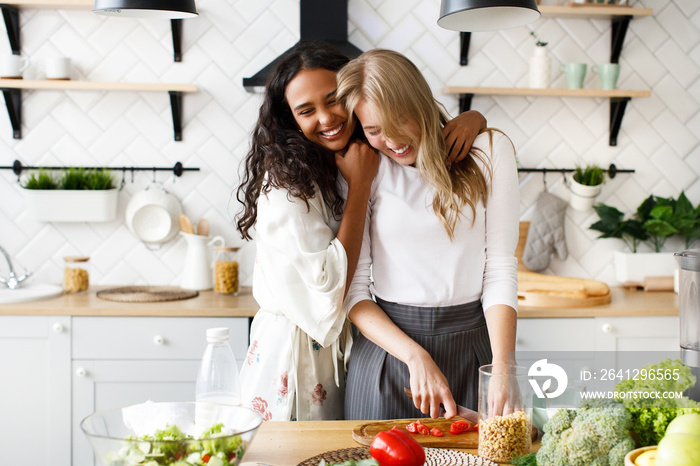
[{"x": 594, "y": 435}]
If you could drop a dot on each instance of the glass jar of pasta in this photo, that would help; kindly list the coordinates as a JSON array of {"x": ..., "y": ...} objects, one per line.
[
  {"x": 76, "y": 277},
  {"x": 226, "y": 271}
]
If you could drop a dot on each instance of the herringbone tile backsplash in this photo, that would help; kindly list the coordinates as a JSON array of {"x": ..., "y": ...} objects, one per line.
[{"x": 235, "y": 38}]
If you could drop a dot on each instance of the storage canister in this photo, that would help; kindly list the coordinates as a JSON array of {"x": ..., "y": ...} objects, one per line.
[
  {"x": 226, "y": 270},
  {"x": 76, "y": 277}
]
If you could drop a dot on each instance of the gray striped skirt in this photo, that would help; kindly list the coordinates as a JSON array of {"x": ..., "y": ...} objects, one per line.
[{"x": 455, "y": 336}]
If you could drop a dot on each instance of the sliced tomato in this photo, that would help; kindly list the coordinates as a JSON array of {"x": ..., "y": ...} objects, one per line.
[
  {"x": 206, "y": 457},
  {"x": 231, "y": 456},
  {"x": 436, "y": 432},
  {"x": 476, "y": 427},
  {"x": 411, "y": 428},
  {"x": 460, "y": 426},
  {"x": 423, "y": 429}
]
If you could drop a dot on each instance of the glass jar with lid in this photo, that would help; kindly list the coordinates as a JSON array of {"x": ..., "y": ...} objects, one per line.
[
  {"x": 226, "y": 270},
  {"x": 76, "y": 276}
]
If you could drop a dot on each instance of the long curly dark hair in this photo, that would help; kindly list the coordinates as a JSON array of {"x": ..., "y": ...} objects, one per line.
[{"x": 278, "y": 148}]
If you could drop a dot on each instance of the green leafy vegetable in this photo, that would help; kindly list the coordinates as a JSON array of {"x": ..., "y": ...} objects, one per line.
[{"x": 652, "y": 415}]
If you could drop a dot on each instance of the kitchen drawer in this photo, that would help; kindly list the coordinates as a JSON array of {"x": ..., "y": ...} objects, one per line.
[
  {"x": 576, "y": 334},
  {"x": 145, "y": 338}
]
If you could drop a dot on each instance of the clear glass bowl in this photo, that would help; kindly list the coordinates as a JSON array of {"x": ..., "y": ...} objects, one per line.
[{"x": 117, "y": 435}]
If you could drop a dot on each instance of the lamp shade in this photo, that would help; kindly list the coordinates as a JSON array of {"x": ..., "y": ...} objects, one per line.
[
  {"x": 486, "y": 15},
  {"x": 166, "y": 9}
]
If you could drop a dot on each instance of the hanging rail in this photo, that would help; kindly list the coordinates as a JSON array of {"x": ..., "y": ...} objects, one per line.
[
  {"x": 611, "y": 171},
  {"x": 178, "y": 169}
]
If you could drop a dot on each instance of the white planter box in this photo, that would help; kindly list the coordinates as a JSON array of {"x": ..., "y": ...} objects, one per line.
[
  {"x": 58, "y": 205},
  {"x": 635, "y": 267}
]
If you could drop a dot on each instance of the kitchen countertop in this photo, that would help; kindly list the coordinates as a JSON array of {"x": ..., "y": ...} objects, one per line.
[
  {"x": 625, "y": 303},
  {"x": 207, "y": 304},
  {"x": 289, "y": 443}
]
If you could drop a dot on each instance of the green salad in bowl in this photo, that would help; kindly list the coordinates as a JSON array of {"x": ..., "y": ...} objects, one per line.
[{"x": 171, "y": 434}]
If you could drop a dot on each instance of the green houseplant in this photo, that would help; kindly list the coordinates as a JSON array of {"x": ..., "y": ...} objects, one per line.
[
  {"x": 72, "y": 195},
  {"x": 585, "y": 186},
  {"x": 655, "y": 221}
]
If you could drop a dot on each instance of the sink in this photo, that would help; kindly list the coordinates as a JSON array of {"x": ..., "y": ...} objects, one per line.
[{"x": 31, "y": 292}]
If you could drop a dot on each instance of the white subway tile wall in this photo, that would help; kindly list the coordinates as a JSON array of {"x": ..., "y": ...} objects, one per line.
[{"x": 233, "y": 39}]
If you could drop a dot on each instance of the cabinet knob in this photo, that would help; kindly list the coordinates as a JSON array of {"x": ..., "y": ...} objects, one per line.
[
  {"x": 57, "y": 327},
  {"x": 158, "y": 340},
  {"x": 607, "y": 328},
  {"x": 81, "y": 372}
]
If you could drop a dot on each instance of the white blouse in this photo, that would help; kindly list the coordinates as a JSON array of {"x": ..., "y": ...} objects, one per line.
[
  {"x": 412, "y": 259},
  {"x": 300, "y": 333}
]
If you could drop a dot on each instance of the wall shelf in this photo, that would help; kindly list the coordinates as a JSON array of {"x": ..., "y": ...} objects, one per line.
[
  {"x": 12, "y": 91},
  {"x": 618, "y": 99},
  {"x": 10, "y": 13},
  {"x": 620, "y": 17}
]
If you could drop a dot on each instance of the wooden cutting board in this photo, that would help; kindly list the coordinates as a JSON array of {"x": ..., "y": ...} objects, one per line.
[
  {"x": 550, "y": 291},
  {"x": 364, "y": 433}
]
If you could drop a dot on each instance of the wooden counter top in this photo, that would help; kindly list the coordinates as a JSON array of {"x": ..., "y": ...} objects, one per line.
[
  {"x": 289, "y": 443},
  {"x": 624, "y": 303},
  {"x": 207, "y": 304}
]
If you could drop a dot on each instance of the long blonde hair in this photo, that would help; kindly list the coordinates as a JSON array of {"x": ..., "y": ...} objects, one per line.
[{"x": 399, "y": 93}]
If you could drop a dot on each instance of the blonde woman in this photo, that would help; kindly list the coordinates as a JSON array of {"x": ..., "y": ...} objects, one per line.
[{"x": 441, "y": 243}]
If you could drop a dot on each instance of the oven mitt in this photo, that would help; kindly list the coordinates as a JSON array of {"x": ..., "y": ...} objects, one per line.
[{"x": 546, "y": 232}]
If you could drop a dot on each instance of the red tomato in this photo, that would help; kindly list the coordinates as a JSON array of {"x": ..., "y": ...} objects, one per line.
[
  {"x": 206, "y": 458},
  {"x": 460, "y": 426},
  {"x": 179, "y": 455},
  {"x": 436, "y": 432},
  {"x": 396, "y": 448},
  {"x": 476, "y": 427},
  {"x": 231, "y": 456},
  {"x": 422, "y": 429},
  {"x": 412, "y": 428}
]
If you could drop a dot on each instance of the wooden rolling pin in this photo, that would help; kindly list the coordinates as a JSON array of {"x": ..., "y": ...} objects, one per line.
[{"x": 663, "y": 283}]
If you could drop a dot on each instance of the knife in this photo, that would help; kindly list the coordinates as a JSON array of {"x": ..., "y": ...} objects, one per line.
[{"x": 466, "y": 413}]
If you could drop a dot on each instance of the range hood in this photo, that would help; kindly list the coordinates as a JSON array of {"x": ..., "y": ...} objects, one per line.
[{"x": 325, "y": 20}]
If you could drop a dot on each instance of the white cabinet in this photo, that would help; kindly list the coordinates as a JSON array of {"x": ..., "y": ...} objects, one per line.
[
  {"x": 35, "y": 390},
  {"x": 119, "y": 361}
]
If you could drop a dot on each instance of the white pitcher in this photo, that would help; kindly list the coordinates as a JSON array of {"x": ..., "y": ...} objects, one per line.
[{"x": 197, "y": 272}]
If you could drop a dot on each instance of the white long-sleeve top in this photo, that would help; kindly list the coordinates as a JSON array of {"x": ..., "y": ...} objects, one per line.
[{"x": 412, "y": 259}]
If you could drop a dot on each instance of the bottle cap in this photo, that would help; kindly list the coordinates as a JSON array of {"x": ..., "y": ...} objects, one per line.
[{"x": 217, "y": 333}]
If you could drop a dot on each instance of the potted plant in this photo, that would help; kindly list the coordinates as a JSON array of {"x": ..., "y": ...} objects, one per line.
[
  {"x": 586, "y": 185},
  {"x": 656, "y": 220},
  {"x": 77, "y": 195}
]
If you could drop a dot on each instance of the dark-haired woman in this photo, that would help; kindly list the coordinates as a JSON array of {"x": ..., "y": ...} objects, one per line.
[{"x": 309, "y": 223}]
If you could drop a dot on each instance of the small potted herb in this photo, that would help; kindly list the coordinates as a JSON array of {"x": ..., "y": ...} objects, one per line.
[
  {"x": 586, "y": 185},
  {"x": 73, "y": 195}
]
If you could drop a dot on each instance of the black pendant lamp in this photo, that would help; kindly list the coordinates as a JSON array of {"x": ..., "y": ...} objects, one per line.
[
  {"x": 166, "y": 9},
  {"x": 486, "y": 15}
]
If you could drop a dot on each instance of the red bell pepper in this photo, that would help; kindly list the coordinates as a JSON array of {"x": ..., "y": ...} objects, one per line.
[{"x": 396, "y": 448}]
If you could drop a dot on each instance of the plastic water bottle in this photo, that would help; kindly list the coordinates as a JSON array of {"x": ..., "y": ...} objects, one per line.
[{"x": 217, "y": 379}]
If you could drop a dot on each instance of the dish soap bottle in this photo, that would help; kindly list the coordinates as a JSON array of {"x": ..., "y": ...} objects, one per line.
[{"x": 217, "y": 379}]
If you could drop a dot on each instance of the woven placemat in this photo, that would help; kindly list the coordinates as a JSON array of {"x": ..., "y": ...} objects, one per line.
[
  {"x": 146, "y": 294},
  {"x": 433, "y": 457}
]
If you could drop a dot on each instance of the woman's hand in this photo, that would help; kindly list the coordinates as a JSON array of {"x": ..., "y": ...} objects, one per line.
[
  {"x": 460, "y": 133},
  {"x": 429, "y": 387},
  {"x": 359, "y": 164},
  {"x": 504, "y": 395}
]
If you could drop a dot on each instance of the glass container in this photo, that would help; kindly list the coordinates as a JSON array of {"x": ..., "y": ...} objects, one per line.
[
  {"x": 226, "y": 271},
  {"x": 505, "y": 422},
  {"x": 76, "y": 275}
]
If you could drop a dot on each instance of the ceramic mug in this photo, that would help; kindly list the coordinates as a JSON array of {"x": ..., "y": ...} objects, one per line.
[
  {"x": 575, "y": 74},
  {"x": 12, "y": 66},
  {"x": 609, "y": 72},
  {"x": 58, "y": 68}
]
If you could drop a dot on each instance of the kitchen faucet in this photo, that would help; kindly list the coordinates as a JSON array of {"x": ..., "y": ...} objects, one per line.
[{"x": 12, "y": 282}]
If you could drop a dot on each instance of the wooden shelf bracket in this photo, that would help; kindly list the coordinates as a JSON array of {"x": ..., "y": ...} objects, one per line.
[
  {"x": 13, "y": 101},
  {"x": 11, "y": 16}
]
